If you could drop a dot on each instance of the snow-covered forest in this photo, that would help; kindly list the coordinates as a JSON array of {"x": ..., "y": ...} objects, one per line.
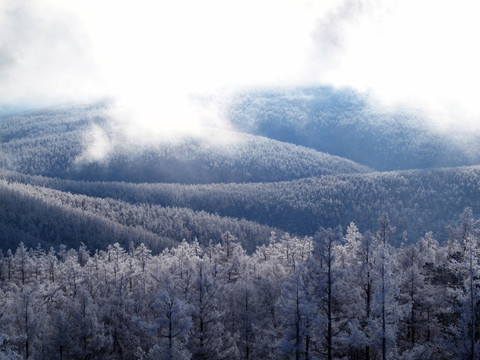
[
  {"x": 239, "y": 180},
  {"x": 195, "y": 250},
  {"x": 336, "y": 295},
  {"x": 247, "y": 249}
]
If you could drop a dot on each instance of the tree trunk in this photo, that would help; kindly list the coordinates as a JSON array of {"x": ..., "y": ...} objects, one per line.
[{"x": 329, "y": 305}]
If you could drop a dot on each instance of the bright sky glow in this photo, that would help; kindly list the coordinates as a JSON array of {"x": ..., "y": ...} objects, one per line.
[
  {"x": 422, "y": 54},
  {"x": 158, "y": 58}
]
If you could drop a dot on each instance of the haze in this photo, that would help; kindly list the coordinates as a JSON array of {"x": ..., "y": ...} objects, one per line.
[{"x": 172, "y": 66}]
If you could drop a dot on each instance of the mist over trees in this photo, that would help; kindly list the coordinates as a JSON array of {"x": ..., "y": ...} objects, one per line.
[
  {"x": 58, "y": 144},
  {"x": 43, "y": 148}
]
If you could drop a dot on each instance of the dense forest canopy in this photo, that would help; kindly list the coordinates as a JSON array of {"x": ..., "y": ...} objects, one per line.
[
  {"x": 239, "y": 180},
  {"x": 231, "y": 245},
  {"x": 416, "y": 200},
  {"x": 335, "y": 295}
]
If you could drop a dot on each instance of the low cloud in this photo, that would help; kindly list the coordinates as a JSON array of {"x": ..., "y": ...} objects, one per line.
[
  {"x": 43, "y": 56},
  {"x": 172, "y": 66},
  {"x": 98, "y": 146},
  {"x": 418, "y": 54}
]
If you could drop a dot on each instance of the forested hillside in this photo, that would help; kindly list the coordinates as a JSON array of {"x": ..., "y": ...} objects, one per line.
[
  {"x": 56, "y": 144},
  {"x": 229, "y": 246},
  {"x": 344, "y": 123},
  {"x": 48, "y": 149},
  {"x": 417, "y": 201},
  {"x": 37, "y": 215}
]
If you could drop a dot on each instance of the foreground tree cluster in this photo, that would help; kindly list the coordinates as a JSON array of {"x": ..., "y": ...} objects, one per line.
[{"x": 336, "y": 295}]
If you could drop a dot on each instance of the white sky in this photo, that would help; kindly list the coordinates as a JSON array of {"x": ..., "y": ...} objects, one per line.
[{"x": 154, "y": 57}]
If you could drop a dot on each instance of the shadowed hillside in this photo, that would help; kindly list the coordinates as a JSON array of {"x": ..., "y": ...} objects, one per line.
[
  {"x": 417, "y": 201},
  {"x": 344, "y": 123},
  {"x": 37, "y": 215}
]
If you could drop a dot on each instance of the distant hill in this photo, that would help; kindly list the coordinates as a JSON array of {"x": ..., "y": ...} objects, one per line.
[
  {"x": 417, "y": 201},
  {"x": 163, "y": 192},
  {"x": 342, "y": 122},
  {"x": 38, "y": 215},
  {"x": 50, "y": 143}
]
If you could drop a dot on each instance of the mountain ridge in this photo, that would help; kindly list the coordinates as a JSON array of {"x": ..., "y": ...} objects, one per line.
[
  {"x": 58, "y": 145},
  {"x": 344, "y": 122}
]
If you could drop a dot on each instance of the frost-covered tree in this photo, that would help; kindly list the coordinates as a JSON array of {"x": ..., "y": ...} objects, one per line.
[
  {"x": 356, "y": 264},
  {"x": 336, "y": 295},
  {"x": 331, "y": 322},
  {"x": 298, "y": 311},
  {"x": 208, "y": 338},
  {"x": 384, "y": 298},
  {"x": 171, "y": 323},
  {"x": 419, "y": 299},
  {"x": 27, "y": 316},
  {"x": 464, "y": 247},
  {"x": 22, "y": 263}
]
